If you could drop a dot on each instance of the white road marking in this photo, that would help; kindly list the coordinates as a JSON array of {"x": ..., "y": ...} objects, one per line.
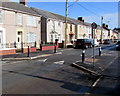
[
  {"x": 59, "y": 53},
  {"x": 95, "y": 83},
  {"x": 68, "y": 49},
  {"x": 59, "y": 62},
  {"x": 43, "y": 60},
  {"x": 62, "y": 50},
  {"x": 13, "y": 63}
]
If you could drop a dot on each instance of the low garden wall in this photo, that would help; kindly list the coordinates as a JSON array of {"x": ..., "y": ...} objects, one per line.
[
  {"x": 32, "y": 49},
  {"x": 7, "y": 51},
  {"x": 48, "y": 47}
]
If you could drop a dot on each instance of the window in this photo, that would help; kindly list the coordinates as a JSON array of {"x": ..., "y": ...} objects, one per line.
[
  {"x": 59, "y": 24},
  {"x": 31, "y": 37},
  {"x": 1, "y": 16},
  {"x": 51, "y": 37},
  {"x": 31, "y": 21},
  {"x": 19, "y": 19},
  {"x": 1, "y": 37},
  {"x": 34, "y": 21},
  {"x": 55, "y": 36}
]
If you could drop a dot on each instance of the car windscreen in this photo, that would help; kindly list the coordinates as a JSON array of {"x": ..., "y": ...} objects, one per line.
[
  {"x": 118, "y": 42},
  {"x": 80, "y": 40}
]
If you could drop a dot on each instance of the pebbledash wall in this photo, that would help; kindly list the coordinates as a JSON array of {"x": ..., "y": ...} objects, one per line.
[
  {"x": 55, "y": 30},
  {"x": 13, "y": 29},
  {"x": 16, "y": 27}
]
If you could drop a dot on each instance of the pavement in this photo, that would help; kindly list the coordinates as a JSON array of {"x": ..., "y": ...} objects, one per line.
[
  {"x": 100, "y": 63},
  {"x": 32, "y": 55}
]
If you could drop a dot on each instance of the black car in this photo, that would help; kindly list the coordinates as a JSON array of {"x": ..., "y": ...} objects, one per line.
[
  {"x": 106, "y": 41},
  {"x": 115, "y": 40},
  {"x": 118, "y": 46},
  {"x": 83, "y": 43}
]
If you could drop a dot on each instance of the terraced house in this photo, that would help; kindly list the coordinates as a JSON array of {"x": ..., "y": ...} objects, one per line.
[
  {"x": 83, "y": 30},
  {"x": 71, "y": 29},
  {"x": 22, "y": 26},
  {"x": 19, "y": 25},
  {"x": 52, "y": 27}
]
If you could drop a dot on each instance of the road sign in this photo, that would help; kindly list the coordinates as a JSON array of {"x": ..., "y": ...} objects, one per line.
[{"x": 94, "y": 25}]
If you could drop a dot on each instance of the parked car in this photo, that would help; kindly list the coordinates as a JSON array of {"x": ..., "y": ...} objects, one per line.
[
  {"x": 106, "y": 41},
  {"x": 70, "y": 45},
  {"x": 115, "y": 40},
  {"x": 82, "y": 43},
  {"x": 118, "y": 46},
  {"x": 95, "y": 42}
]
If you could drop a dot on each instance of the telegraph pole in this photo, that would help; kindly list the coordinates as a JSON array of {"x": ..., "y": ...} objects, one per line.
[
  {"x": 66, "y": 17},
  {"x": 101, "y": 29}
]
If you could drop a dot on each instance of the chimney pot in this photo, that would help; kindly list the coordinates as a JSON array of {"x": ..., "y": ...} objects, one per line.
[{"x": 106, "y": 26}]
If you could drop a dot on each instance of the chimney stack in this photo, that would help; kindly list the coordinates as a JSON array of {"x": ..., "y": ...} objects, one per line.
[
  {"x": 80, "y": 19},
  {"x": 24, "y": 2}
]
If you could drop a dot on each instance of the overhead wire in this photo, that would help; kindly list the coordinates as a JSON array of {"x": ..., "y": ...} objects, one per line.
[
  {"x": 71, "y": 7},
  {"x": 88, "y": 10},
  {"x": 96, "y": 14},
  {"x": 106, "y": 21},
  {"x": 95, "y": 7}
]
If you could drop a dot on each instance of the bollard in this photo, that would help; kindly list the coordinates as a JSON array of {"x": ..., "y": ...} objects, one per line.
[
  {"x": 40, "y": 47},
  {"x": 83, "y": 56},
  {"x": 35, "y": 43},
  {"x": 28, "y": 52},
  {"x": 15, "y": 45},
  {"x": 22, "y": 47},
  {"x": 99, "y": 51},
  {"x": 54, "y": 48}
]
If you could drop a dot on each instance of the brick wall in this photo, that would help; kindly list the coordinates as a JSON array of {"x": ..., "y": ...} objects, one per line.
[
  {"x": 7, "y": 51},
  {"x": 48, "y": 47},
  {"x": 25, "y": 50}
]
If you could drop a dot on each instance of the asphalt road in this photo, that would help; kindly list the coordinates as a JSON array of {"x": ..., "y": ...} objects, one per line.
[{"x": 49, "y": 75}]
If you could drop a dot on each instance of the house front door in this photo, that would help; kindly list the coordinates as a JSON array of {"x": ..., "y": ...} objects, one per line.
[
  {"x": 71, "y": 38},
  {"x": 19, "y": 40}
]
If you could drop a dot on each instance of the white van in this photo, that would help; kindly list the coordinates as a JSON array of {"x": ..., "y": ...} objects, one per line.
[{"x": 96, "y": 43}]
